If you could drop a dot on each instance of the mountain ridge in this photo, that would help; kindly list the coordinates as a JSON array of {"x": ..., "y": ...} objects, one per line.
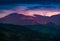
[{"x": 20, "y": 19}]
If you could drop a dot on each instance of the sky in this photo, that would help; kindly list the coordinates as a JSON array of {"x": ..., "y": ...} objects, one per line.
[
  {"x": 30, "y": 9},
  {"x": 30, "y": 1}
]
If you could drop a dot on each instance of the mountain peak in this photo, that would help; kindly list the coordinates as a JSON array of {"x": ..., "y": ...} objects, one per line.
[
  {"x": 20, "y": 19},
  {"x": 55, "y": 15},
  {"x": 16, "y": 14}
]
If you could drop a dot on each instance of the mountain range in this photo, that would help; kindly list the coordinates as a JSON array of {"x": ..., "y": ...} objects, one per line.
[{"x": 20, "y": 19}]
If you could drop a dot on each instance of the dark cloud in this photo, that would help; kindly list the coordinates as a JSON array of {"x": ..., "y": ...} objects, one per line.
[
  {"x": 7, "y": 6},
  {"x": 29, "y": 1},
  {"x": 30, "y": 6}
]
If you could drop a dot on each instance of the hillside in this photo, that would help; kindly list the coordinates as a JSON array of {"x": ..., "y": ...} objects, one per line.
[{"x": 9, "y": 32}]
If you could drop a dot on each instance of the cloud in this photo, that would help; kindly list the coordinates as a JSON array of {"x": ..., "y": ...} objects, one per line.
[
  {"x": 30, "y": 9},
  {"x": 5, "y": 13},
  {"x": 29, "y": 1}
]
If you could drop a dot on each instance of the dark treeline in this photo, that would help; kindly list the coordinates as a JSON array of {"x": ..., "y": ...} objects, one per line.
[{"x": 10, "y": 32}]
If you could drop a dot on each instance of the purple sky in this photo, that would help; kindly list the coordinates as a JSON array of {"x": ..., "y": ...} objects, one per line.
[{"x": 29, "y": 9}]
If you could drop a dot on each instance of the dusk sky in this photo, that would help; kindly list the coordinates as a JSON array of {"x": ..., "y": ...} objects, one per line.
[
  {"x": 30, "y": 9},
  {"x": 30, "y": 20}
]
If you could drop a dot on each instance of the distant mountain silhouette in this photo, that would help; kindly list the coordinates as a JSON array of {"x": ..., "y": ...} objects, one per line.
[
  {"x": 55, "y": 19},
  {"x": 41, "y": 19},
  {"x": 20, "y": 19},
  {"x": 51, "y": 24}
]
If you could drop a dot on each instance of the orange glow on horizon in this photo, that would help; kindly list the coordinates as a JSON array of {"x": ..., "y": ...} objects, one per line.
[
  {"x": 39, "y": 12},
  {"x": 30, "y": 12}
]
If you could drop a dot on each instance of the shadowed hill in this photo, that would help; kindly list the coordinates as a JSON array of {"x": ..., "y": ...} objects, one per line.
[
  {"x": 20, "y": 19},
  {"x": 9, "y": 32}
]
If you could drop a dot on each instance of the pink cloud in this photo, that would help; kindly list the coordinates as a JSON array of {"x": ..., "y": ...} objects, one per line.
[
  {"x": 39, "y": 12},
  {"x": 5, "y": 13},
  {"x": 30, "y": 12}
]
